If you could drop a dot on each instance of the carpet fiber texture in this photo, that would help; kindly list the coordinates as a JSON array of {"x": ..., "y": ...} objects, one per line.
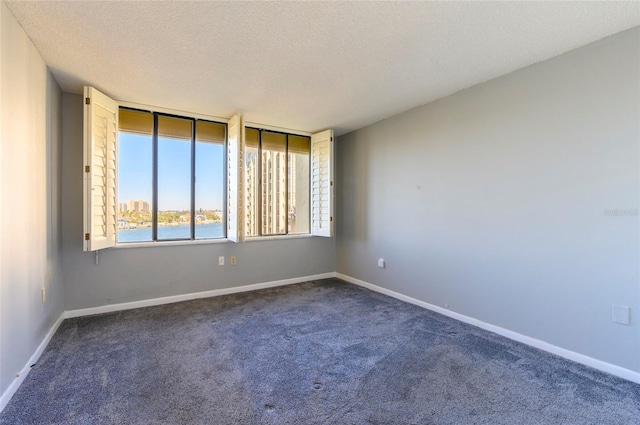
[{"x": 323, "y": 352}]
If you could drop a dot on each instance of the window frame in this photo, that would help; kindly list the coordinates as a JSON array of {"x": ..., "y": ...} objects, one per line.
[
  {"x": 193, "y": 118},
  {"x": 260, "y": 213},
  {"x": 321, "y": 175}
]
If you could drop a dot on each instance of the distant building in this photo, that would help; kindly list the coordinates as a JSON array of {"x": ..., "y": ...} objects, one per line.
[
  {"x": 274, "y": 179},
  {"x": 139, "y": 205},
  {"x": 123, "y": 207},
  {"x": 251, "y": 194},
  {"x": 276, "y": 176},
  {"x": 272, "y": 201}
]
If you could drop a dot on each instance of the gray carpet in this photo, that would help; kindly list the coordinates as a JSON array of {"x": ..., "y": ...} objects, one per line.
[{"x": 323, "y": 352}]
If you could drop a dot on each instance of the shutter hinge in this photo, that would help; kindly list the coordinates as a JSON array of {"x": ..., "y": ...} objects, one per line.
[
  {"x": 87, "y": 101},
  {"x": 331, "y": 219},
  {"x": 86, "y": 236},
  {"x": 332, "y": 139},
  {"x": 87, "y": 168},
  {"x": 331, "y": 183}
]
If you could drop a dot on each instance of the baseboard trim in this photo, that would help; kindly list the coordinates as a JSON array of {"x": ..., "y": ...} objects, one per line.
[
  {"x": 69, "y": 314},
  {"x": 11, "y": 390},
  {"x": 542, "y": 345},
  {"x": 612, "y": 369}
]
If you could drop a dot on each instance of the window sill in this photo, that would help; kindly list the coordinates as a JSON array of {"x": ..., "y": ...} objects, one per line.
[
  {"x": 277, "y": 237},
  {"x": 126, "y": 245}
]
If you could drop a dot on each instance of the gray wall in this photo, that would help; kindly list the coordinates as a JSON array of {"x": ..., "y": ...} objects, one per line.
[
  {"x": 493, "y": 201},
  {"x": 30, "y": 231},
  {"x": 133, "y": 274}
]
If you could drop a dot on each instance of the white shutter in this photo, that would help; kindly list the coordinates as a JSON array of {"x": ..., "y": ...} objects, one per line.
[
  {"x": 235, "y": 176},
  {"x": 322, "y": 183},
  {"x": 100, "y": 170}
]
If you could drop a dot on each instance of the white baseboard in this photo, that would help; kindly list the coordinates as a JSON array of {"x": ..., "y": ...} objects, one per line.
[
  {"x": 579, "y": 358},
  {"x": 11, "y": 390},
  {"x": 192, "y": 296},
  {"x": 612, "y": 369},
  {"x": 6, "y": 396}
]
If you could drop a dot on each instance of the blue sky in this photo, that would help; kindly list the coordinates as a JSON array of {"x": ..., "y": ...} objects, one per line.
[{"x": 174, "y": 165}]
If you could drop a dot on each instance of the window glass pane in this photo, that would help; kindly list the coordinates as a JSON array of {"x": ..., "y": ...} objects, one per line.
[
  {"x": 209, "y": 214},
  {"x": 252, "y": 141},
  {"x": 174, "y": 178},
  {"x": 274, "y": 183},
  {"x": 298, "y": 184},
  {"x": 135, "y": 176}
]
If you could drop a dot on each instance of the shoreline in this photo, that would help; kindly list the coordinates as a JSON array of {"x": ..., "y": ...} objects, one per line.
[{"x": 147, "y": 225}]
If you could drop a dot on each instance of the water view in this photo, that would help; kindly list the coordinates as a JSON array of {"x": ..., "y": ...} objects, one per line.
[{"x": 143, "y": 234}]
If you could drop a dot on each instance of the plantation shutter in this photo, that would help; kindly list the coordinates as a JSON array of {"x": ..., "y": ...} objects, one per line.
[
  {"x": 235, "y": 176},
  {"x": 100, "y": 169},
  {"x": 322, "y": 183}
]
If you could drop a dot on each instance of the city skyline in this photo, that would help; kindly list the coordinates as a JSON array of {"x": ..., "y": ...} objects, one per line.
[
  {"x": 141, "y": 205},
  {"x": 134, "y": 205}
]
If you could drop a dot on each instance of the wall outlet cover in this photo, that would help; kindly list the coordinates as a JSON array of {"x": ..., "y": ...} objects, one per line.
[{"x": 622, "y": 314}]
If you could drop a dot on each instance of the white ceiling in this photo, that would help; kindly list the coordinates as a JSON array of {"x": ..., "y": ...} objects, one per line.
[{"x": 304, "y": 65}]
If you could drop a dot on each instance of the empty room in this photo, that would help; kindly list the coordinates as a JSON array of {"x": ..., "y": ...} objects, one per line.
[{"x": 296, "y": 213}]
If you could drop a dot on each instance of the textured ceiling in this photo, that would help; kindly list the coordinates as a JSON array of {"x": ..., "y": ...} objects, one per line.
[{"x": 304, "y": 65}]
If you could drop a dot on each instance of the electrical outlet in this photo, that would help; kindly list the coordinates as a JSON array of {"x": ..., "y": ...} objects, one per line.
[
  {"x": 221, "y": 260},
  {"x": 381, "y": 263},
  {"x": 43, "y": 293},
  {"x": 232, "y": 260}
]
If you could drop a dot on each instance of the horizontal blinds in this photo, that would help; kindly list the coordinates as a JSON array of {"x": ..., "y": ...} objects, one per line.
[
  {"x": 100, "y": 166},
  {"x": 210, "y": 132},
  {"x": 322, "y": 183},
  {"x": 251, "y": 138},
  {"x": 299, "y": 144},
  {"x": 136, "y": 122},
  {"x": 174, "y": 128},
  {"x": 274, "y": 141},
  {"x": 235, "y": 179},
  {"x": 100, "y": 152},
  {"x": 141, "y": 122}
]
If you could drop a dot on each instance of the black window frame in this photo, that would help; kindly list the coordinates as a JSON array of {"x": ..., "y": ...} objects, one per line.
[
  {"x": 154, "y": 172},
  {"x": 259, "y": 206}
]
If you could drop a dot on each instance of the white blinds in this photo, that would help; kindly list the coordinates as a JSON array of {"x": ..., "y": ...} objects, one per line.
[
  {"x": 322, "y": 184},
  {"x": 100, "y": 168},
  {"x": 235, "y": 176}
]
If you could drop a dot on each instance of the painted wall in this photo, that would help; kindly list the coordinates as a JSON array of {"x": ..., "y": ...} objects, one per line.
[
  {"x": 514, "y": 202},
  {"x": 30, "y": 231},
  {"x": 134, "y": 274}
]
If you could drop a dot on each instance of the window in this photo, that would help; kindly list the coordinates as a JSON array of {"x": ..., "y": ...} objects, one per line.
[
  {"x": 276, "y": 183},
  {"x": 170, "y": 177},
  {"x": 256, "y": 169},
  {"x": 153, "y": 176}
]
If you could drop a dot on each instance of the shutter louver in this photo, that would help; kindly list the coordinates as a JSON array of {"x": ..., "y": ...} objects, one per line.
[
  {"x": 235, "y": 176},
  {"x": 100, "y": 160},
  {"x": 322, "y": 184}
]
